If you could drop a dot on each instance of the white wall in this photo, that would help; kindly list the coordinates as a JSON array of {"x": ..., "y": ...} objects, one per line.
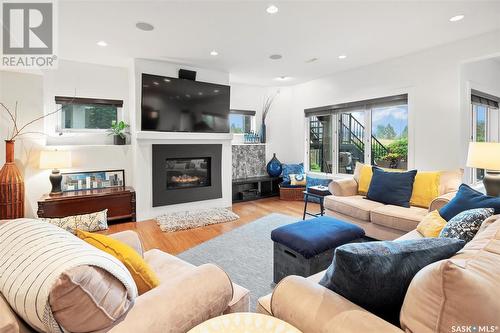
[
  {"x": 431, "y": 78},
  {"x": 27, "y": 90}
]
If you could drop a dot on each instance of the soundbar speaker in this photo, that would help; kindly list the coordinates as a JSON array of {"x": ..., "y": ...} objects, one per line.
[{"x": 188, "y": 75}]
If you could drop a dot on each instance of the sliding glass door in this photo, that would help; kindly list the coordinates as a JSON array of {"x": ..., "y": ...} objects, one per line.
[
  {"x": 351, "y": 140},
  {"x": 320, "y": 143},
  {"x": 374, "y": 133}
]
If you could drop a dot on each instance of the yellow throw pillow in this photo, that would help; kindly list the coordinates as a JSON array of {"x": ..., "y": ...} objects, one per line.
[
  {"x": 365, "y": 178},
  {"x": 425, "y": 188},
  {"x": 145, "y": 278},
  {"x": 431, "y": 225},
  {"x": 297, "y": 179}
]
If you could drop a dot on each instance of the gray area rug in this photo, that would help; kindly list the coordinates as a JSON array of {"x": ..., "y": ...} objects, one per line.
[
  {"x": 245, "y": 253},
  {"x": 194, "y": 219}
]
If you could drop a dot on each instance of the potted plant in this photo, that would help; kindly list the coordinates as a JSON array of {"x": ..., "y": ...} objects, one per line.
[{"x": 118, "y": 130}]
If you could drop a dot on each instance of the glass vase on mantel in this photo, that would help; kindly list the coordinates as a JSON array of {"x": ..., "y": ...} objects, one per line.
[
  {"x": 11, "y": 186},
  {"x": 274, "y": 167}
]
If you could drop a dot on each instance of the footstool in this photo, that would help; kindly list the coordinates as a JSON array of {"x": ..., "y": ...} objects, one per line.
[{"x": 306, "y": 247}]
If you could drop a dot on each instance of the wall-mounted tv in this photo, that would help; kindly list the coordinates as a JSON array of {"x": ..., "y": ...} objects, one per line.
[{"x": 180, "y": 105}]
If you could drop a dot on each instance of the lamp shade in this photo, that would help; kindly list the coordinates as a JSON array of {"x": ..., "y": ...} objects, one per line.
[
  {"x": 55, "y": 159},
  {"x": 484, "y": 155}
]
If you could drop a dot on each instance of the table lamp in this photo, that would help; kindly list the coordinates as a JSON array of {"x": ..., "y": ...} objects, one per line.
[
  {"x": 55, "y": 160},
  {"x": 486, "y": 155}
]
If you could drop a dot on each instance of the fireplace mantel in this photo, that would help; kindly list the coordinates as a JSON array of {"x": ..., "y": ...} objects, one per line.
[{"x": 152, "y": 135}]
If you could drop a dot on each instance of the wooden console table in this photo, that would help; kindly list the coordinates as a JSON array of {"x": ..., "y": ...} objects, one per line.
[{"x": 119, "y": 201}]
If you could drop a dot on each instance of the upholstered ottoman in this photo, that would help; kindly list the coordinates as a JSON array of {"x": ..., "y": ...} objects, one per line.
[{"x": 306, "y": 247}]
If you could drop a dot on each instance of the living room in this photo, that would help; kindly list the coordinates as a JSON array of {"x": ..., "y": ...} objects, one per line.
[{"x": 241, "y": 154}]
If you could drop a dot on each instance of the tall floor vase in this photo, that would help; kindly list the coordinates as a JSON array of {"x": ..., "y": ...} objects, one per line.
[{"x": 11, "y": 187}]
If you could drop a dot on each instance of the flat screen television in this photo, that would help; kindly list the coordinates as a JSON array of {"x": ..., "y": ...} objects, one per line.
[{"x": 179, "y": 105}]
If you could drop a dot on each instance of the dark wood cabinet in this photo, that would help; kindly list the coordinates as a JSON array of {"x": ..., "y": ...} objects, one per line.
[{"x": 120, "y": 203}]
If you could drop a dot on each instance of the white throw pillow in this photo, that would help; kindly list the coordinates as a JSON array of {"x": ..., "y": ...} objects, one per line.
[{"x": 86, "y": 222}]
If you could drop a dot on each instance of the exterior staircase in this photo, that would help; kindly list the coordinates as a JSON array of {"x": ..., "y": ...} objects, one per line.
[{"x": 351, "y": 139}]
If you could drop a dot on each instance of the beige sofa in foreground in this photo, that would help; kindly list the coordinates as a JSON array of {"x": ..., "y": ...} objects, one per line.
[
  {"x": 187, "y": 296},
  {"x": 380, "y": 221},
  {"x": 451, "y": 295}
]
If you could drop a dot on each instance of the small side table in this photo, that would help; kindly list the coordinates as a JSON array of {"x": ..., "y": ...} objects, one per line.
[
  {"x": 321, "y": 196},
  {"x": 244, "y": 322}
]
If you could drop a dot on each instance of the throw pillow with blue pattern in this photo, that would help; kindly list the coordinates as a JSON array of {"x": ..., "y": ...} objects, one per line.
[
  {"x": 466, "y": 224},
  {"x": 289, "y": 169},
  {"x": 312, "y": 181}
]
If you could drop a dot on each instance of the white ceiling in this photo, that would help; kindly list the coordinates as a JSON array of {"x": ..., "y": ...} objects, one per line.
[{"x": 245, "y": 35}]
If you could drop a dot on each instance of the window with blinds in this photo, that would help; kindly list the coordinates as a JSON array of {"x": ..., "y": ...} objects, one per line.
[{"x": 485, "y": 126}]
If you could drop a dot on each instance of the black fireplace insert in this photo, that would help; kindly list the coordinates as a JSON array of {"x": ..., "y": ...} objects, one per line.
[{"x": 186, "y": 173}]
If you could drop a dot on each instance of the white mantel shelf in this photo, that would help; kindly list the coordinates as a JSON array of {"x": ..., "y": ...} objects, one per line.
[{"x": 152, "y": 135}]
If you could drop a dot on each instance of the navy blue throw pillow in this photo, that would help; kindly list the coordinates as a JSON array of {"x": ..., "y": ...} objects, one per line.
[
  {"x": 391, "y": 188},
  {"x": 376, "y": 275},
  {"x": 468, "y": 198}
]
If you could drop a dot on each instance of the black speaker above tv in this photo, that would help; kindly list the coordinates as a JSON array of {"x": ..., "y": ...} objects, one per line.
[{"x": 183, "y": 105}]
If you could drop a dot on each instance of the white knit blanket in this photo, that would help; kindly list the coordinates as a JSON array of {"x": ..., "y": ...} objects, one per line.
[{"x": 33, "y": 254}]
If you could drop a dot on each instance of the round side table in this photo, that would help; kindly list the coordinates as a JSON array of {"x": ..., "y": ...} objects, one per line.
[{"x": 244, "y": 322}]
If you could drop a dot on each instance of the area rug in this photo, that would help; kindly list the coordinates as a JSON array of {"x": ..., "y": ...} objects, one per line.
[
  {"x": 245, "y": 253},
  {"x": 194, "y": 219}
]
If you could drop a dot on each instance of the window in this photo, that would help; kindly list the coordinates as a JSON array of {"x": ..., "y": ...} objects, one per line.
[
  {"x": 241, "y": 121},
  {"x": 87, "y": 114},
  {"x": 389, "y": 139},
  {"x": 373, "y": 131},
  {"x": 485, "y": 124}
]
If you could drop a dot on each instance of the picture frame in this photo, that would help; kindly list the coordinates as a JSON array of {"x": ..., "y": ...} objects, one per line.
[{"x": 92, "y": 180}]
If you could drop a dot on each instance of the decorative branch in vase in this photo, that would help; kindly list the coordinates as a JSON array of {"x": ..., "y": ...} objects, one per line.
[
  {"x": 11, "y": 179},
  {"x": 266, "y": 107}
]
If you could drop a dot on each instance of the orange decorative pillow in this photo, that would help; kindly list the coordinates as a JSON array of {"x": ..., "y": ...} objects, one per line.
[{"x": 144, "y": 276}]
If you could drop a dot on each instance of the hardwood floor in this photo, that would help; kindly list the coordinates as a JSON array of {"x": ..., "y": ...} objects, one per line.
[{"x": 176, "y": 242}]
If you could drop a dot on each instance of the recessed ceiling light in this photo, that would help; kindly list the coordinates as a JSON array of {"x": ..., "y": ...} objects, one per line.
[
  {"x": 156, "y": 83},
  {"x": 282, "y": 78},
  {"x": 272, "y": 9},
  {"x": 275, "y": 56},
  {"x": 200, "y": 93},
  {"x": 144, "y": 26},
  {"x": 457, "y": 18},
  {"x": 102, "y": 43},
  {"x": 214, "y": 53},
  {"x": 342, "y": 56},
  {"x": 216, "y": 91},
  {"x": 311, "y": 60},
  {"x": 166, "y": 80}
]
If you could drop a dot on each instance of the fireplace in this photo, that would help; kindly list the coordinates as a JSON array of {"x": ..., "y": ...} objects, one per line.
[{"x": 186, "y": 173}]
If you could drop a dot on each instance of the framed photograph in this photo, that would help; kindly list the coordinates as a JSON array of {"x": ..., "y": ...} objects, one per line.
[{"x": 91, "y": 180}]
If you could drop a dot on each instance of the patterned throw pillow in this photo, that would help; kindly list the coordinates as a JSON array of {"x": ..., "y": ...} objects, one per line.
[
  {"x": 465, "y": 225},
  {"x": 289, "y": 169},
  {"x": 86, "y": 222},
  {"x": 298, "y": 179}
]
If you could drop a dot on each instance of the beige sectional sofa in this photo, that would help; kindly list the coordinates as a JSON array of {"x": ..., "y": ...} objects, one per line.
[
  {"x": 452, "y": 295},
  {"x": 187, "y": 295},
  {"x": 380, "y": 221}
]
